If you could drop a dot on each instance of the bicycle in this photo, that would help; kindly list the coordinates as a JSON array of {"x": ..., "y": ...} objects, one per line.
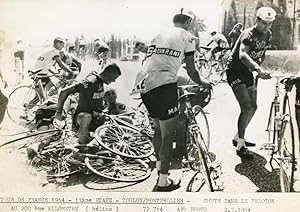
[
  {"x": 281, "y": 138},
  {"x": 58, "y": 157},
  {"x": 26, "y": 99},
  {"x": 197, "y": 146}
]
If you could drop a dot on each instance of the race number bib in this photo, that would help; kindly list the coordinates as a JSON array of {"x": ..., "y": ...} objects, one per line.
[{"x": 139, "y": 84}]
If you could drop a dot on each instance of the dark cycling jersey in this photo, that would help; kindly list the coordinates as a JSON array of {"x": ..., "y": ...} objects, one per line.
[
  {"x": 90, "y": 94},
  {"x": 257, "y": 43}
]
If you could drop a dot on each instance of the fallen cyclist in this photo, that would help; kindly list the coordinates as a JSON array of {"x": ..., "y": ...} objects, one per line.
[{"x": 88, "y": 114}]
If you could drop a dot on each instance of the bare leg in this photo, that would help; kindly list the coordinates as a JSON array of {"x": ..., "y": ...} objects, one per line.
[
  {"x": 242, "y": 95},
  {"x": 168, "y": 132},
  {"x": 84, "y": 121},
  {"x": 157, "y": 140}
]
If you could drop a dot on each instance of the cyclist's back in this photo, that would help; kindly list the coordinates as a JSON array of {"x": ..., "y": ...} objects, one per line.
[
  {"x": 165, "y": 55},
  {"x": 46, "y": 60}
]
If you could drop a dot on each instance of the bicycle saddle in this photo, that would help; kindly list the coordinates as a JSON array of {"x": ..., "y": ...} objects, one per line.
[
  {"x": 288, "y": 82},
  {"x": 186, "y": 94}
]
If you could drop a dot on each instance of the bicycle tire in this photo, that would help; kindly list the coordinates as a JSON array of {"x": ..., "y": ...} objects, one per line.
[
  {"x": 20, "y": 110},
  {"x": 287, "y": 159},
  {"x": 124, "y": 141},
  {"x": 196, "y": 183},
  {"x": 198, "y": 158},
  {"x": 202, "y": 122},
  {"x": 118, "y": 169}
]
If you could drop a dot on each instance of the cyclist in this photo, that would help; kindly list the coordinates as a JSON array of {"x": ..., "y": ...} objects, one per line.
[
  {"x": 47, "y": 60},
  {"x": 3, "y": 98},
  {"x": 158, "y": 87},
  {"x": 247, "y": 55},
  {"x": 141, "y": 47},
  {"x": 82, "y": 47},
  {"x": 102, "y": 54},
  {"x": 88, "y": 114},
  {"x": 221, "y": 44},
  {"x": 234, "y": 34},
  {"x": 112, "y": 105},
  {"x": 19, "y": 60}
]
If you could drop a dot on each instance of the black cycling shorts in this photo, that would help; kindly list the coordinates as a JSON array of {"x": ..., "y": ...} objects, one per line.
[
  {"x": 19, "y": 54},
  {"x": 162, "y": 102},
  {"x": 239, "y": 77},
  {"x": 45, "y": 114}
]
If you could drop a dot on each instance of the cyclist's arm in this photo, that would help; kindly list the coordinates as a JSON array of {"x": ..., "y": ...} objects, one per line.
[
  {"x": 191, "y": 71},
  {"x": 63, "y": 95},
  {"x": 246, "y": 59},
  {"x": 62, "y": 65}
]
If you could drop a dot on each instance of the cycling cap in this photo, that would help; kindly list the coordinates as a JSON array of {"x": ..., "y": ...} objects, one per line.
[
  {"x": 185, "y": 12},
  {"x": 266, "y": 14},
  {"x": 60, "y": 39}
]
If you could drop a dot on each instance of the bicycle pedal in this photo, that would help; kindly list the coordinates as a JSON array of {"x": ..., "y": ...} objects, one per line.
[{"x": 268, "y": 146}]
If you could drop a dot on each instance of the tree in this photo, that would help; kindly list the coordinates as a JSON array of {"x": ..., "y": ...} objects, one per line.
[{"x": 197, "y": 25}]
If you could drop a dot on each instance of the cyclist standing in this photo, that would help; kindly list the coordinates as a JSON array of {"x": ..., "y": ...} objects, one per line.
[
  {"x": 247, "y": 55},
  {"x": 19, "y": 60},
  {"x": 158, "y": 87}
]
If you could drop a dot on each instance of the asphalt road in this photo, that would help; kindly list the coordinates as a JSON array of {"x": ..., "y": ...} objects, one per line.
[{"x": 238, "y": 176}]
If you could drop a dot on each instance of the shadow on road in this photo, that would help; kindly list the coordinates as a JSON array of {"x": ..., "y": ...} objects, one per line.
[{"x": 254, "y": 170}]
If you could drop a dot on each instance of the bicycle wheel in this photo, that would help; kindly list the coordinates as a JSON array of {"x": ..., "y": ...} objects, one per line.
[
  {"x": 287, "y": 155},
  {"x": 22, "y": 104},
  {"x": 202, "y": 123},
  {"x": 124, "y": 141},
  {"x": 198, "y": 158},
  {"x": 55, "y": 162},
  {"x": 114, "y": 167}
]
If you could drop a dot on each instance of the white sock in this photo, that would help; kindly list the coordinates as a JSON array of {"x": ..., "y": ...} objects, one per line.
[
  {"x": 163, "y": 180},
  {"x": 241, "y": 143},
  {"x": 158, "y": 165}
]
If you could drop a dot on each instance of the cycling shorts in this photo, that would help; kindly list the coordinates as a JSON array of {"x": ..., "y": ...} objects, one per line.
[
  {"x": 19, "y": 54},
  {"x": 239, "y": 77},
  {"x": 162, "y": 102},
  {"x": 45, "y": 114}
]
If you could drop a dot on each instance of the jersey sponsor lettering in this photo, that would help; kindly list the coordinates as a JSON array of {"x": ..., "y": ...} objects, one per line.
[
  {"x": 97, "y": 95},
  {"x": 166, "y": 51},
  {"x": 256, "y": 55},
  {"x": 173, "y": 110}
]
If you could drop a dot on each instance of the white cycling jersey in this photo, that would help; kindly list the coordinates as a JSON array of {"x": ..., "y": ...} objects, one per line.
[
  {"x": 164, "y": 57},
  {"x": 46, "y": 60}
]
